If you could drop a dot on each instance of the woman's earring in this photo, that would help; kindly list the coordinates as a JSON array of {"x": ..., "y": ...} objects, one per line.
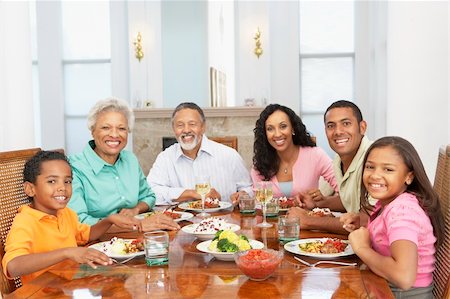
[{"x": 293, "y": 133}]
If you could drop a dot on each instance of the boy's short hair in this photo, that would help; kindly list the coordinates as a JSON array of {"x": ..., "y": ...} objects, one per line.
[{"x": 33, "y": 166}]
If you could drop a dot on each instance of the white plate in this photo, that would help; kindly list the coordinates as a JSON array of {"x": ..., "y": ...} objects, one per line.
[
  {"x": 101, "y": 247},
  {"x": 294, "y": 248},
  {"x": 225, "y": 256},
  {"x": 184, "y": 215},
  {"x": 205, "y": 235},
  {"x": 222, "y": 205}
]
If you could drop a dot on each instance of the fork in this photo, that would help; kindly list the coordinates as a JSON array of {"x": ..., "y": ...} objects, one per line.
[
  {"x": 122, "y": 262},
  {"x": 323, "y": 262}
]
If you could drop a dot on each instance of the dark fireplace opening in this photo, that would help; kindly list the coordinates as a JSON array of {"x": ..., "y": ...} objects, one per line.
[{"x": 168, "y": 141}]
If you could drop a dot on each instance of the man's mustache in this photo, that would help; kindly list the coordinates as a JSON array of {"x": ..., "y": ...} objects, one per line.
[{"x": 187, "y": 135}]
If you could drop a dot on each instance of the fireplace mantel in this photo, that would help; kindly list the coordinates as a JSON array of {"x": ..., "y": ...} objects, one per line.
[
  {"x": 209, "y": 112},
  {"x": 154, "y": 123}
]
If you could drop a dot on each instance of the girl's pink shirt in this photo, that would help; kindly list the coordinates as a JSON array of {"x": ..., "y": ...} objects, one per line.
[
  {"x": 404, "y": 219},
  {"x": 311, "y": 164}
]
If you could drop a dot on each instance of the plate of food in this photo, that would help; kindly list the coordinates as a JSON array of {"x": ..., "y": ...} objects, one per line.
[
  {"x": 175, "y": 215},
  {"x": 118, "y": 248},
  {"x": 211, "y": 205},
  {"x": 286, "y": 203},
  {"x": 226, "y": 243},
  {"x": 322, "y": 248},
  {"x": 323, "y": 212},
  {"x": 207, "y": 228}
]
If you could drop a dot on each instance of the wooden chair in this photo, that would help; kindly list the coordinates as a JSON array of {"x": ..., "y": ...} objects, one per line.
[
  {"x": 442, "y": 187},
  {"x": 230, "y": 141},
  {"x": 12, "y": 197}
]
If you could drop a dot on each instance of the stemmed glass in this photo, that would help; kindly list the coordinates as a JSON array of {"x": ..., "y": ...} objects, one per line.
[
  {"x": 263, "y": 195},
  {"x": 202, "y": 186}
]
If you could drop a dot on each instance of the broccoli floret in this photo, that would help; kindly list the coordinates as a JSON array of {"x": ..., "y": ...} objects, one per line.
[
  {"x": 217, "y": 235},
  {"x": 226, "y": 246},
  {"x": 242, "y": 237}
]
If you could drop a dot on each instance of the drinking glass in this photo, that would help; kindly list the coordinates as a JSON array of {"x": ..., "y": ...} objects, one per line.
[
  {"x": 288, "y": 229},
  {"x": 156, "y": 245},
  {"x": 264, "y": 194},
  {"x": 202, "y": 186}
]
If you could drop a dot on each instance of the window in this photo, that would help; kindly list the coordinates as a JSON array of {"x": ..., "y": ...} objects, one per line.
[
  {"x": 327, "y": 59},
  {"x": 86, "y": 65}
]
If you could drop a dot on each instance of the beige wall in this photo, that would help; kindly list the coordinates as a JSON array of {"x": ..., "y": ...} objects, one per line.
[{"x": 153, "y": 124}]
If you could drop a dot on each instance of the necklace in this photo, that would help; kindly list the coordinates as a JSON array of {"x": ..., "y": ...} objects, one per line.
[{"x": 285, "y": 171}]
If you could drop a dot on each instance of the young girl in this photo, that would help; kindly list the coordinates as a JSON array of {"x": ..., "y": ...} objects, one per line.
[{"x": 406, "y": 225}]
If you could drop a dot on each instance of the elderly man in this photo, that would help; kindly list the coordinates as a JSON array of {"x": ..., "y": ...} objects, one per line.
[
  {"x": 172, "y": 176},
  {"x": 345, "y": 129}
]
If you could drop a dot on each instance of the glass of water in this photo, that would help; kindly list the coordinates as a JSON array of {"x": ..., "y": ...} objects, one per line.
[
  {"x": 156, "y": 245},
  {"x": 288, "y": 229}
]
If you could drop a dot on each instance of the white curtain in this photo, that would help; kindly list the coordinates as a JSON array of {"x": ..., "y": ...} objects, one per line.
[{"x": 16, "y": 105}]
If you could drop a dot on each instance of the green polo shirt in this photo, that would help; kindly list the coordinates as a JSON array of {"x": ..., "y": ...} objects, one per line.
[
  {"x": 101, "y": 189},
  {"x": 350, "y": 182}
]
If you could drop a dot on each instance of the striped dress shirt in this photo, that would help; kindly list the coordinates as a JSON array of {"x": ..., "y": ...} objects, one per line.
[{"x": 173, "y": 172}]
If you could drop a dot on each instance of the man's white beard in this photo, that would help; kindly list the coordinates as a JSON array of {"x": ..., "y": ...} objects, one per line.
[{"x": 188, "y": 146}]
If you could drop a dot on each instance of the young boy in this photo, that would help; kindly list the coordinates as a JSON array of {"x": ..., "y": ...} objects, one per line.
[{"x": 47, "y": 232}]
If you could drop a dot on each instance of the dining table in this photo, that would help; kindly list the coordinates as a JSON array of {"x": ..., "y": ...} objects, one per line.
[{"x": 191, "y": 273}]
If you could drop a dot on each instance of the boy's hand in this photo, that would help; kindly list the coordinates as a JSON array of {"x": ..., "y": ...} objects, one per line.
[
  {"x": 122, "y": 221},
  {"x": 350, "y": 221},
  {"x": 89, "y": 256}
]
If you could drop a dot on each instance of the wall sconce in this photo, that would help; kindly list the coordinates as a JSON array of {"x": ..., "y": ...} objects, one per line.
[
  {"x": 138, "y": 47},
  {"x": 258, "y": 50}
]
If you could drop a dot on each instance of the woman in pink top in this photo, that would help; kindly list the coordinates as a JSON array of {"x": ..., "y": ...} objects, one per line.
[
  {"x": 406, "y": 225},
  {"x": 285, "y": 154}
]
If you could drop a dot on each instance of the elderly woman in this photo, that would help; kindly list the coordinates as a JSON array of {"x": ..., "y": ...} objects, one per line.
[
  {"x": 285, "y": 154},
  {"x": 108, "y": 179}
]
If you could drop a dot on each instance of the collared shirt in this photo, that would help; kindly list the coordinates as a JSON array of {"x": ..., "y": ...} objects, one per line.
[
  {"x": 101, "y": 189},
  {"x": 173, "y": 172},
  {"x": 350, "y": 182},
  {"x": 34, "y": 231}
]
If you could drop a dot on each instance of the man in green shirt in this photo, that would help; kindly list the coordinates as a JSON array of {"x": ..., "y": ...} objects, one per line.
[{"x": 345, "y": 129}]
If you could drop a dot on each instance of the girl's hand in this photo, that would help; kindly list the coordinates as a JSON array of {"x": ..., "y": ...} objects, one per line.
[
  {"x": 89, "y": 256},
  {"x": 156, "y": 222},
  {"x": 122, "y": 221},
  {"x": 350, "y": 221},
  {"x": 359, "y": 239}
]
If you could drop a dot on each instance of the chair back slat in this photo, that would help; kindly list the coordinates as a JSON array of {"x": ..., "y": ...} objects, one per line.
[
  {"x": 12, "y": 197},
  {"x": 231, "y": 141},
  {"x": 442, "y": 186}
]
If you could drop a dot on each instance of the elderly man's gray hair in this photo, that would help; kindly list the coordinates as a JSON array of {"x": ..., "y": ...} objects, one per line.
[
  {"x": 189, "y": 105},
  {"x": 110, "y": 105}
]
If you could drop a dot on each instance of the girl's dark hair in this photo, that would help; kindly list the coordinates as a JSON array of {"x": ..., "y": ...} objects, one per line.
[
  {"x": 265, "y": 158},
  {"x": 420, "y": 186},
  {"x": 33, "y": 166}
]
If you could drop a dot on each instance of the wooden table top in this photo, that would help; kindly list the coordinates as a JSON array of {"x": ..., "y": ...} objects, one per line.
[{"x": 193, "y": 274}]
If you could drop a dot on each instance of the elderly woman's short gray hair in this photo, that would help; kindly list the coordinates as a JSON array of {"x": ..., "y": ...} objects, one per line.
[{"x": 110, "y": 105}]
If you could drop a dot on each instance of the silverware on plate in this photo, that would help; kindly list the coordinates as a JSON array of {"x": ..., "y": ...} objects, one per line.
[{"x": 323, "y": 262}]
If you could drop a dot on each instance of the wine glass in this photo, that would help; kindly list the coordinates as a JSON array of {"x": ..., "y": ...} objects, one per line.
[
  {"x": 263, "y": 195},
  {"x": 202, "y": 186}
]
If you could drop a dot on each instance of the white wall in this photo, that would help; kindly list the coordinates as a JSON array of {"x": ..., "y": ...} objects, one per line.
[
  {"x": 417, "y": 76},
  {"x": 252, "y": 74},
  {"x": 284, "y": 55},
  {"x": 16, "y": 114}
]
